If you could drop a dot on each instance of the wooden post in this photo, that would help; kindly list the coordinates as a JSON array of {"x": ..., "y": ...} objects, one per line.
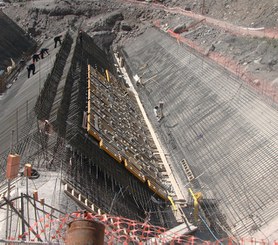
[{"x": 203, "y": 6}]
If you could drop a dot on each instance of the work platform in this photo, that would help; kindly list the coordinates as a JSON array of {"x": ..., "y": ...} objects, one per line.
[{"x": 115, "y": 120}]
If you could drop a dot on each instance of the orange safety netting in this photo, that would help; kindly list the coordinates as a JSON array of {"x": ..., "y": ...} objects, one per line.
[
  {"x": 119, "y": 230},
  {"x": 234, "y": 29},
  {"x": 261, "y": 86}
]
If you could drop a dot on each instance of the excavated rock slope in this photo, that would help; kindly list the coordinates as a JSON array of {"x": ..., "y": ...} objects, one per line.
[
  {"x": 13, "y": 41},
  {"x": 115, "y": 22}
]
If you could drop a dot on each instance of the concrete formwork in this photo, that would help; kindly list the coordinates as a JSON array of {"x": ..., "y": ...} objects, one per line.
[
  {"x": 89, "y": 168},
  {"x": 58, "y": 92}
]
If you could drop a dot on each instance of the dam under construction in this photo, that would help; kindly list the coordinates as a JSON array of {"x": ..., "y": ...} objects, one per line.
[{"x": 153, "y": 140}]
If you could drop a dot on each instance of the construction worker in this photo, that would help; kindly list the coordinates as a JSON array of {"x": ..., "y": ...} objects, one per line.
[
  {"x": 44, "y": 51},
  {"x": 80, "y": 37},
  {"x": 36, "y": 57},
  {"x": 57, "y": 39},
  {"x": 46, "y": 127},
  {"x": 30, "y": 68}
]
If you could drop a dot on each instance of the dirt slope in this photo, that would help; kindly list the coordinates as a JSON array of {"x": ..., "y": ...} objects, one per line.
[
  {"x": 249, "y": 13},
  {"x": 114, "y": 22}
]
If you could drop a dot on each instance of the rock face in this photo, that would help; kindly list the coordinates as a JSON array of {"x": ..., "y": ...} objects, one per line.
[
  {"x": 14, "y": 42},
  {"x": 115, "y": 22},
  {"x": 106, "y": 22},
  {"x": 103, "y": 39},
  {"x": 125, "y": 26},
  {"x": 180, "y": 28}
]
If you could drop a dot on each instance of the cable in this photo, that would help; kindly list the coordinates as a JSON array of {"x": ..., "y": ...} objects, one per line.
[
  {"x": 210, "y": 230},
  {"x": 116, "y": 195}
]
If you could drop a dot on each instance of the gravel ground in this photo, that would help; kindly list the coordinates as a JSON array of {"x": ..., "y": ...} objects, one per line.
[{"x": 114, "y": 22}]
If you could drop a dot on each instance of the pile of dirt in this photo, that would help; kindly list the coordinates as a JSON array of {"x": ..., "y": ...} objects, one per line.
[{"x": 114, "y": 22}]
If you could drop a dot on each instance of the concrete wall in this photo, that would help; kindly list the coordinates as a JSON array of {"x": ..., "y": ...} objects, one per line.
[{"x": 14, "y": 43}]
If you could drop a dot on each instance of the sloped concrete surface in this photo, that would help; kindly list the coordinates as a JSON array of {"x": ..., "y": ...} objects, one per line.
[
  {"x": 213, "y": 120},
  {"x": 20, "y": 98}
]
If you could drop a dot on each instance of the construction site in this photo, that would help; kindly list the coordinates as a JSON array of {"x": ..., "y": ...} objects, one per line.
[{"x": 136, "y": 134}]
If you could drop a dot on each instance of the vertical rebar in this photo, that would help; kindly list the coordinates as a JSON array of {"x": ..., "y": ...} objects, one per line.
[
  {"x": 105, "y": 181},
  {"x": 40, "y": 221},
  {"x": 16, "y": 125},
  {"x": 44, "y": 221},
  {"x": 27, "y": 110},
  {"x": 51, "y": 211},
  {"x": 11, "y": 221},
  {"x": 28, "y": 217},
  {"x": 22, "y": 219},
  {"x": 8, "y": 209},
  {"x": 36, "y": 218},
  {"x": 12, "y": 141}
]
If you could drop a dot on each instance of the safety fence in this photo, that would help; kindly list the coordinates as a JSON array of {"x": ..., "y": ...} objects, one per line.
[
  {"x": 119, "y": 230},
  {"x": 261, "y": 86},
  {"x": 234, "y": 29}
]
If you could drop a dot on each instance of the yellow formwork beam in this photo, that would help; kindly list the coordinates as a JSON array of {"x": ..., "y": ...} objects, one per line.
[
  {"x": 156, "y": 191},
  {"x": 99, "y": 75},
  {"x": 196, "y": 196},
  {"x": 118, "y": 158},
  {"x": 107, "y": 75},
  {"x": 94, "y": 134},
  {"x": 131, "y": 170},
  {"x": 89, "y": 98},
  {"x": 172, "y": 203}
]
